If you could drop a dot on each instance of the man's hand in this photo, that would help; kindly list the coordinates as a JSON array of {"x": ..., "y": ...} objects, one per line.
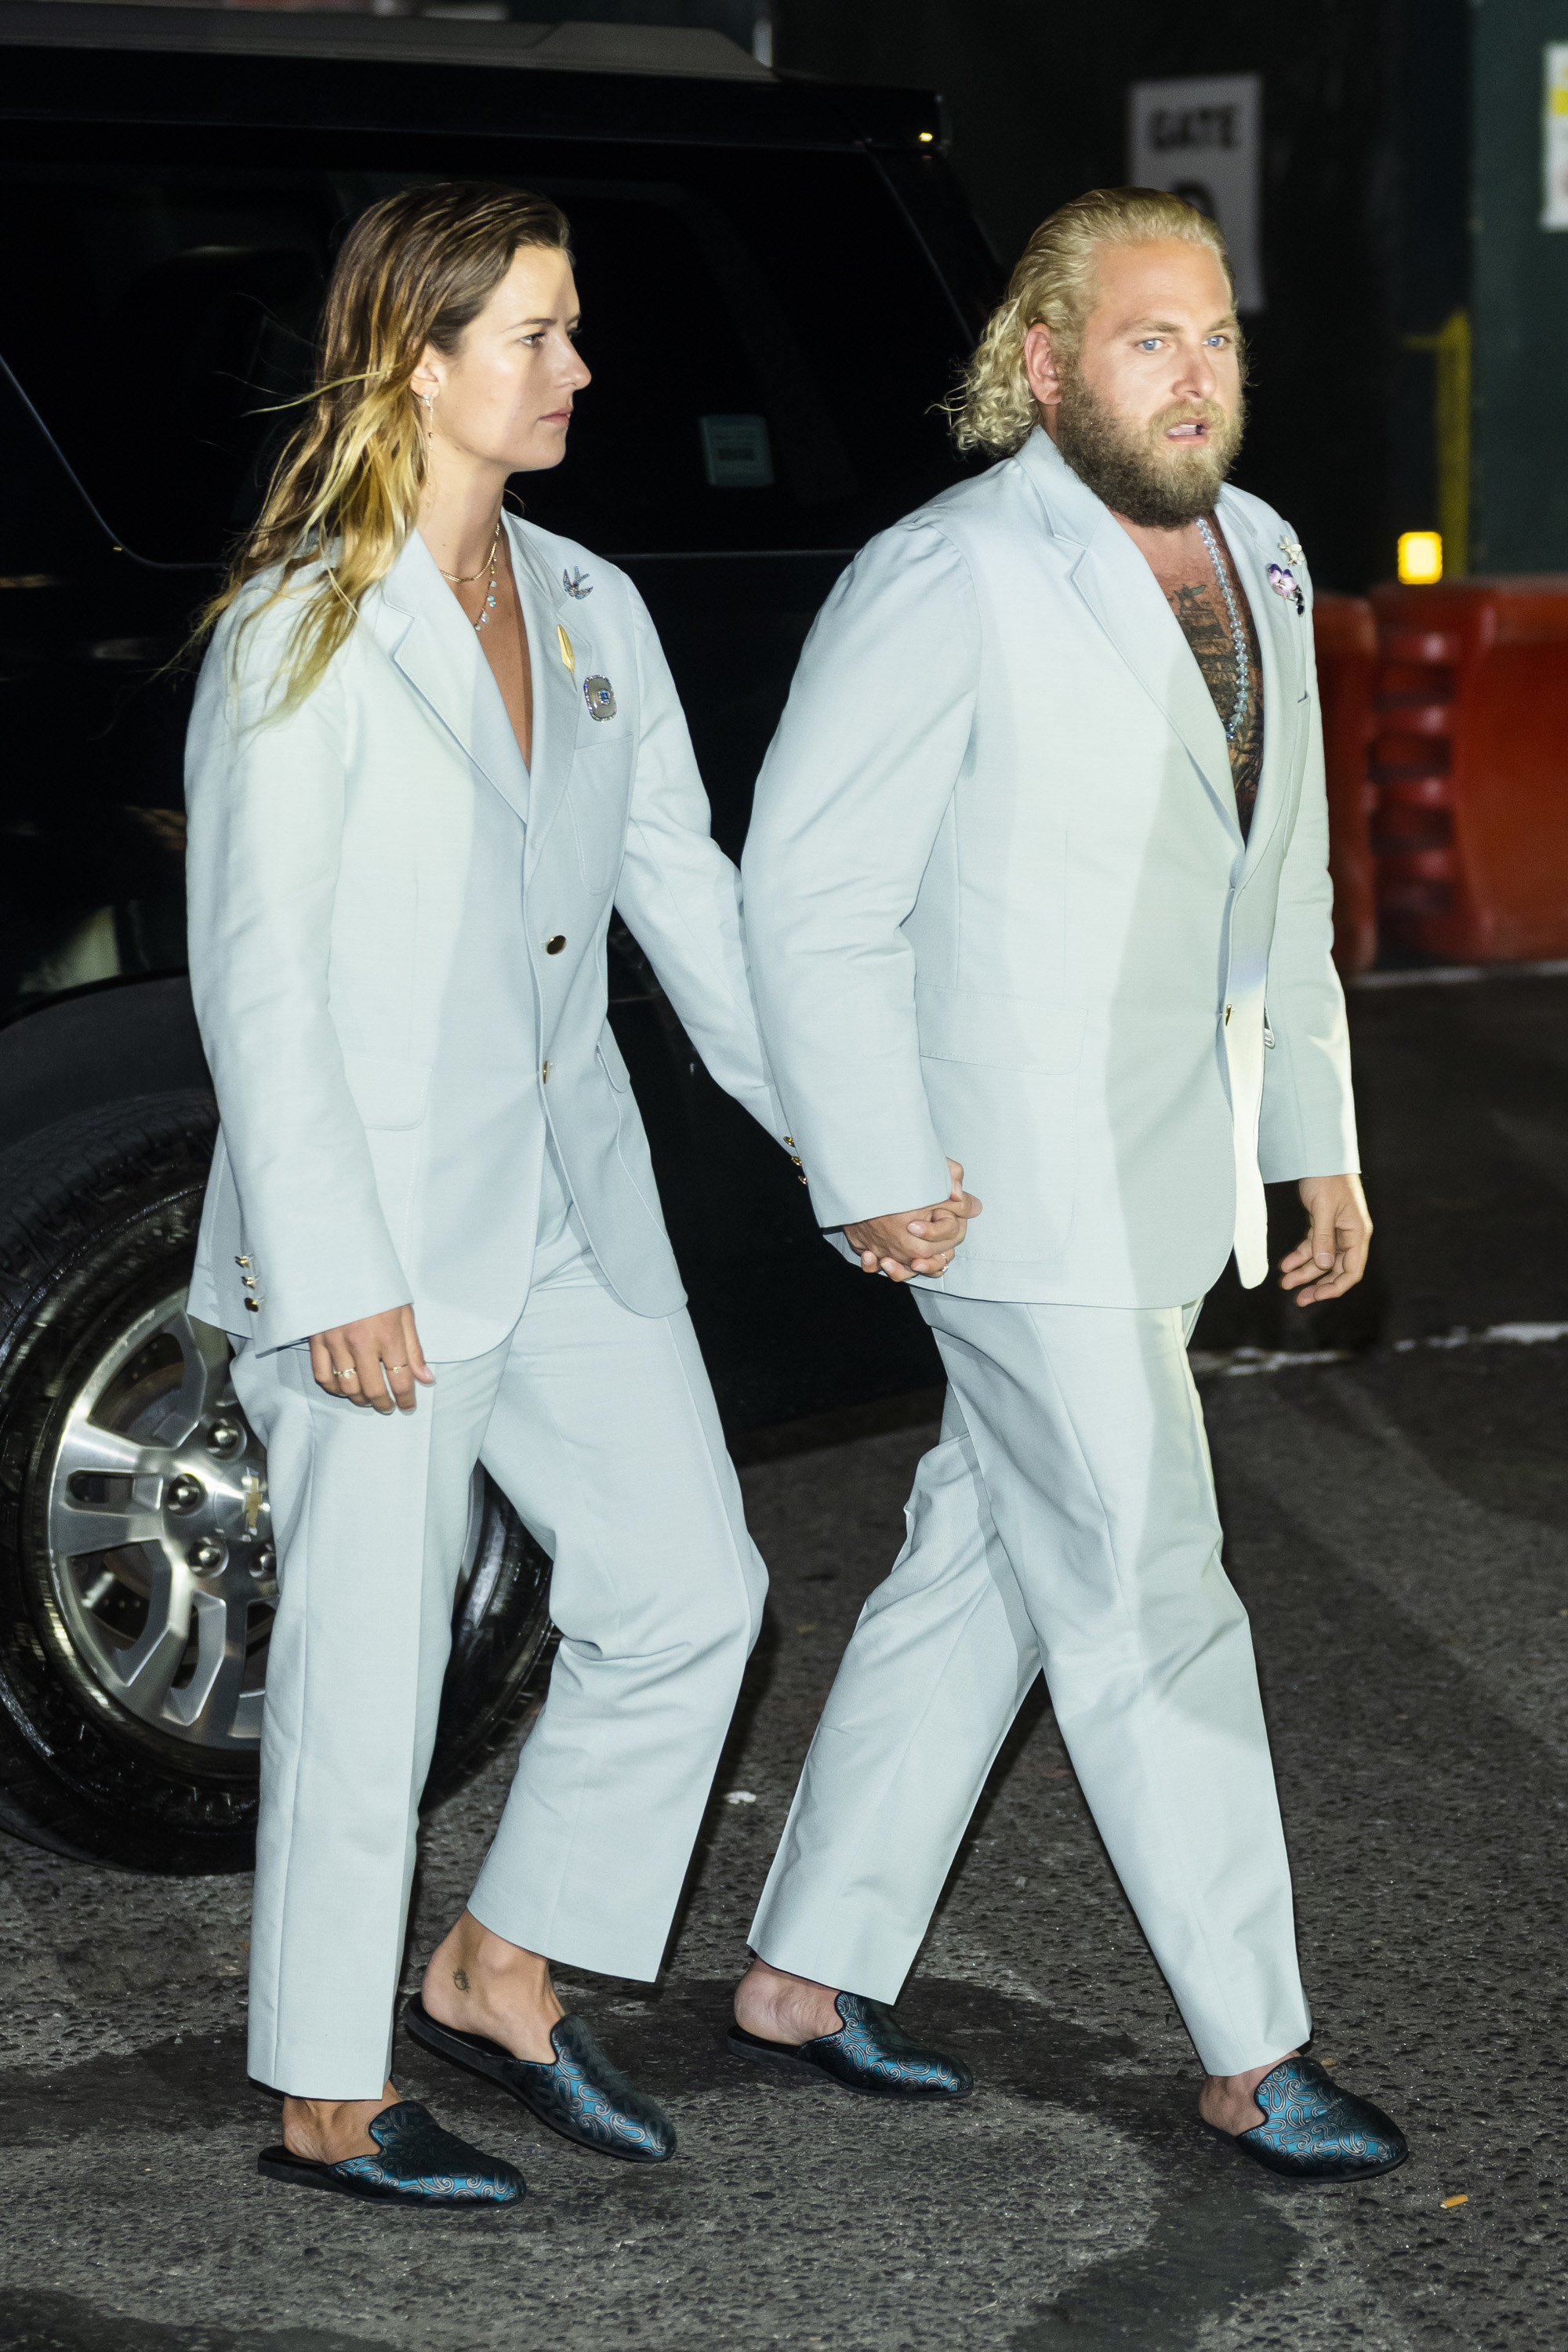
[
  {"x": 915, "y": 1240},
  {"x": 1333, "y": 1258},
  {"x": 348, "y": 1362}
]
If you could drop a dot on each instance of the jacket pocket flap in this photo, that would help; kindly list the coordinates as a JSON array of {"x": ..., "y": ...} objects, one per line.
[
  {"x": 387, "y": 1090},
  {"x": 614, "y": 1066},
  {"x": 999, "y": 1032}
]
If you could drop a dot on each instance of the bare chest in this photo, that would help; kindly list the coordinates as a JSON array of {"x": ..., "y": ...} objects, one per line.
[
  {"x": 505, "y": 647},
  {"x": 1217, "y": 621},
  {"x": 493, "y": 609}
]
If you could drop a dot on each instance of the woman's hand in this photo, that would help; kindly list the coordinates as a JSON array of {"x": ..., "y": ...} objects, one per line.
[
  {"x": 349, "y": 1361},
  {"x": 884, "y": 1246}
]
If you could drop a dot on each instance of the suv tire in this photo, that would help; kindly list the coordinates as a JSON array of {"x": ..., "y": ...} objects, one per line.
[{"x": 136, "y": 1577}]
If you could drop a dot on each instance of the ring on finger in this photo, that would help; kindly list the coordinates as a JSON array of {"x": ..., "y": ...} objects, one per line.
[
  {"x": 347, "y": 1373},
  {"x": 397, "y": 1368}
]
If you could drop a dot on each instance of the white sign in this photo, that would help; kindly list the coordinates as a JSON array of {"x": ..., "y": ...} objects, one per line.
[
  {"x": 1554, "y": 139},
  {"x": 1204, "y": 140}
]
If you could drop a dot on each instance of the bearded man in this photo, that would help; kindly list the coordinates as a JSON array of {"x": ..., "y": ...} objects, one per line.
[{"x": 1037, "y": 879}]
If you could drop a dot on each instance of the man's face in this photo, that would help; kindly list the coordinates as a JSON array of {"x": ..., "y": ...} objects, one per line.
[{"x": 1148, "y": 411}]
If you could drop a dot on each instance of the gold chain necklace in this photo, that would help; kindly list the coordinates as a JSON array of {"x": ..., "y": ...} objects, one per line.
[{"x": 467, "y": 579}]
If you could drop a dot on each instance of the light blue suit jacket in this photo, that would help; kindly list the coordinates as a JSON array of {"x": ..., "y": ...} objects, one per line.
[
  {"x": 998, "y": 905},
  {"x": 373, "y": 880}
]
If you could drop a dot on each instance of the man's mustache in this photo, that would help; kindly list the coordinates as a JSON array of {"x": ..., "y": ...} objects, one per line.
[{"x": 1193, "y": 412}]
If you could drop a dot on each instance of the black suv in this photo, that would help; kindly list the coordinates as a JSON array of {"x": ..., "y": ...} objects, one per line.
[{"x": 778, "y": 280}]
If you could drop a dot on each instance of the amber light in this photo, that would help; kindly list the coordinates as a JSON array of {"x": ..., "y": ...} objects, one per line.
[
  {"x": 1420, "y": 557},
  {"x": 927, "y": 137}
]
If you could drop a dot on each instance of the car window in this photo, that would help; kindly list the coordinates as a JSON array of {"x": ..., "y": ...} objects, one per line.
[{"x": 767, "y": 338}]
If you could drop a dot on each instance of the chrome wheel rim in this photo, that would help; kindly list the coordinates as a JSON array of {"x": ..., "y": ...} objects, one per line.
[{"x": 160, "y": 1561}]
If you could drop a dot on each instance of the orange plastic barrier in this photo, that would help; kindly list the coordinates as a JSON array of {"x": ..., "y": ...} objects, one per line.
[
  {"x": 1470, "y": 763},
  {"x": 1346, "y": 636}
]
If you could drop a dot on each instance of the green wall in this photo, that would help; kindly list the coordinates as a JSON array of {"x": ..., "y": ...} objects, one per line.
[{"x": 1519, "y": 478}]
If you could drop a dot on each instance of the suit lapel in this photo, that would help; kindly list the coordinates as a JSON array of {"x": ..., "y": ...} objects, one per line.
[
  {"x": 553, "y": 628},
  {"x": 434, "y": 646},
  {"x": 1129, "y": 604},
  {"x": 1280, "y": 629},
  {"x": 1126, "y": 599}
]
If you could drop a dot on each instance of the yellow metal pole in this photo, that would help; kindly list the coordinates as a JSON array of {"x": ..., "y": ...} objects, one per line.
[{"x": 1450, "y": 350}]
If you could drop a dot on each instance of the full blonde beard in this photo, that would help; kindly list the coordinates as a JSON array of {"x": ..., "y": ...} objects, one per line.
[{"x": 1130, "y": 467}]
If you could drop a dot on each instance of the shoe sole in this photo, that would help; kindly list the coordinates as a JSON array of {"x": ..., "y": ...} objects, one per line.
[
  {"x": 427, "y": 2031},
  {"x": 297, "y": 2172},
  {"x": 1306, "y": 2179},
  {"x": 779, "y": 2054}
]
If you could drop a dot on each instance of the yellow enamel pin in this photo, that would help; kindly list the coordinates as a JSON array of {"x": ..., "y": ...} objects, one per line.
[{"x": 567, "y": 656}]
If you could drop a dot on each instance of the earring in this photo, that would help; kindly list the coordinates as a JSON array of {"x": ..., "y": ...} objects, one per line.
[{"x": 429, "y": 400}]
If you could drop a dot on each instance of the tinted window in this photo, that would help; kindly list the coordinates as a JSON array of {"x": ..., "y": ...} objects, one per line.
[{"x": 766, "y": 337}]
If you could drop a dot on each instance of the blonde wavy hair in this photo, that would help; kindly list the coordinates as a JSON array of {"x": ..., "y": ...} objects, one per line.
[
  {"x": 416, "y": 268},
  {"x": 1054, "y": 286}
]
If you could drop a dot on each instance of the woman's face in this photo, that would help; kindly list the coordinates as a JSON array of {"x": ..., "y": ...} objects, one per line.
[{"x": 504, "y": 397}]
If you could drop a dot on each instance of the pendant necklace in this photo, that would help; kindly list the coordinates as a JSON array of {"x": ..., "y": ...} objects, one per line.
[
  {"x": 465, "y": 579},
  {"x": 1238, "y": 635}
]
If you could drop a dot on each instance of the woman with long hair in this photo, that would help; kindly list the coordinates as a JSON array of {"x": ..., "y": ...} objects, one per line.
[{"x": 431, "y": 745}]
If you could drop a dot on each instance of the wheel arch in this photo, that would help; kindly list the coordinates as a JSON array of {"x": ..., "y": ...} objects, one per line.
[{"x": 98, "y": 1045}]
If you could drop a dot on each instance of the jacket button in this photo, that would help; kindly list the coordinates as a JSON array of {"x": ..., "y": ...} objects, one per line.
[
  {"x": 1227, "y": 1016},
  {"x": 554, "y": 946},
  {"x": 544, "y": 1074},
  {"x": 253, "y": 1306}
]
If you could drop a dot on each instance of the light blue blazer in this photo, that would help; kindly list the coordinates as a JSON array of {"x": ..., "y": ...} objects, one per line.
[
  {"x": 397, "y": 940},
  {"x": 998, "y": 905}
]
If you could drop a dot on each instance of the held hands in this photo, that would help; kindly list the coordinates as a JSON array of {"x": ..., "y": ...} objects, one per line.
[
  {"x": 915, "y": 1240},
  {"x": 349, "y": 1361},
  {"x": 1333, "y": 1258}
]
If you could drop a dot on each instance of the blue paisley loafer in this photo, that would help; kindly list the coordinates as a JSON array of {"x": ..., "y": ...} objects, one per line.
[
  {"x": 418, "y": 2164},
  {"x": 582, "y": 2095},
  {"x": 870, "y": 2052},
  {"x": 1316, "y": 2131}
]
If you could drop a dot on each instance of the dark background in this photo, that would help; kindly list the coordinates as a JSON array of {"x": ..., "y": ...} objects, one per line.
[{"x": 1401, "y": 184}]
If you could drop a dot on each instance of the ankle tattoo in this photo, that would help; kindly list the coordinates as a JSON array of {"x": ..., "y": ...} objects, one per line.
[{"x": 460, "y": 1979}]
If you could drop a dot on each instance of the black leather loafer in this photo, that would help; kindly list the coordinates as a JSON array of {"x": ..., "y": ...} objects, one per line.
[
  {"x": 420, "y": 2164},
  {"x": 1316, "y": 2131},
  {"x": 583, "y": 2096},
  {"x": 870, "y": 2052}
]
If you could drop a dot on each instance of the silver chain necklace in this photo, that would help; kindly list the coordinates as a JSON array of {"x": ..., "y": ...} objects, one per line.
[{"x": 1238, "y": 635}]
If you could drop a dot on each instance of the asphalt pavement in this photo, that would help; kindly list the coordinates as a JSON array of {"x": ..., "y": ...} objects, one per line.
[{"x": 1397, "y": 1524}]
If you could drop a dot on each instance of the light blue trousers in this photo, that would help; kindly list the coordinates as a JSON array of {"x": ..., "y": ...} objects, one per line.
[
  {"x": 600, "y": 1426},
  {"x": 1066, "y": 1520}
]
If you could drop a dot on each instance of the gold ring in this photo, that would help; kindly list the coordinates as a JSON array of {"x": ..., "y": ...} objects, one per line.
[{"x": 397, "y": 1368}]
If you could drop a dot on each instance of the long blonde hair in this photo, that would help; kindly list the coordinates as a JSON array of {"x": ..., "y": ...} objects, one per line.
[
  {"x": 416, "y": 268},
  {"x": 1053, "y": 286}
]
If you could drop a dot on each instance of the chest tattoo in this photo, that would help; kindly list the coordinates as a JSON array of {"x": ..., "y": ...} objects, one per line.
[{"x": 1201, "y": 612}]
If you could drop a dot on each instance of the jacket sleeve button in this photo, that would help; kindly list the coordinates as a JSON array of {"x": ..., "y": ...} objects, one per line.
[{"x": 554, "y": 946}]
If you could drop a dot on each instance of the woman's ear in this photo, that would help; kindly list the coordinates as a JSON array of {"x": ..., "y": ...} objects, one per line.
[{"x": 425, "y": 381}]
